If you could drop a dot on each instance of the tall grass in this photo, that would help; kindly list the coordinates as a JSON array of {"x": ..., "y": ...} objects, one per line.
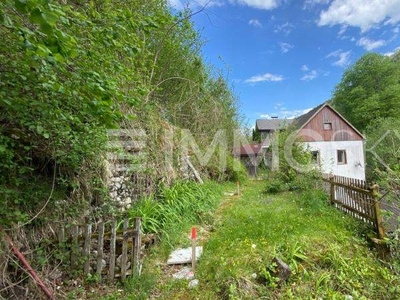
[{"x": 183, "y": 203}]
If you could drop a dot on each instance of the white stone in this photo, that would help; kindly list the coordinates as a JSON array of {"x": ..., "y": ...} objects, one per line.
[
  {"x": 194, "y": 283},
  {"x": 183, "y": 256},
  {"x": 116, "y": 179}
]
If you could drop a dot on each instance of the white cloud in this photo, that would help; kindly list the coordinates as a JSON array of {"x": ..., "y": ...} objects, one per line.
[
  {"x": 342, "y": 58},
  {"x": 396, "y": 30},
  {"x": 304, "y": 68},
  {"x": 260, "y": 4},
  {"x": 308, "y": 4},
  {"x": 370, "y": 44},
  {"x": 265, "y": 116},
  {"x": 361, "y": 13},
  {"x": 264, "y": 77},
  {"x": 283, "y": 113},
  {"x": 392, "y": 52},
  {"x": 255, "y": 23},
  {"x": 342, "y": 30},
  {"x": 291, "y": 114},
  {"x": 285, "y": 47},
  {"x": 279, "y": 105},
  {"x": 310, "y": 75},
  {"x": 285, "y": 28}
]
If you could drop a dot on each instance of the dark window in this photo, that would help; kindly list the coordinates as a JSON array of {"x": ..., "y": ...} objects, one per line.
[
  {"x": 315, "y": 157},
  {"x": 328, "y": 126},
  {"x": 341, "y": 157}
]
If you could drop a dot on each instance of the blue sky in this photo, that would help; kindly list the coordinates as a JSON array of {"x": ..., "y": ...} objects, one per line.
[{"x": 284, "y": 57}]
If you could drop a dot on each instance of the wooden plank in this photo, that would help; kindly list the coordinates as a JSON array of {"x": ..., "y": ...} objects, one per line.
[
  {"x": 124, "y": 258},
  {"x": 111, "y": 270},
  {"x": 346, "y": 207},
  {"x": 136, "y": 247},
  {"x": 332, "y": 190},
  {"x": 86, "y": 248},
  {"x": 61, "y": 233},
  {"x": 100, "y": 244},
  {"x": 75, "y": 246},
  {"x": 353, "y": 188}
]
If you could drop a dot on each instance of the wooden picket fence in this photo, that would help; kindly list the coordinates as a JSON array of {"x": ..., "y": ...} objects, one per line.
[
  {"x": 103, "y": 249},
  {"x": 354, "y": 197}
]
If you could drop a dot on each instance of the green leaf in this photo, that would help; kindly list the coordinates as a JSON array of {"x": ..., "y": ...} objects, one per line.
[
  {"x": 21, "y": 6},
  {"x": 37, "y": 16},
  {"x": 39, "y": 129},
  {"x": 50, "y": 17}
]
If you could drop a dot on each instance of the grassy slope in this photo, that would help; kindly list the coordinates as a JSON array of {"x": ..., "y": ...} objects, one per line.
[
  {"x": 328, "y": 257},
  {"x": 323, "y": 247}
]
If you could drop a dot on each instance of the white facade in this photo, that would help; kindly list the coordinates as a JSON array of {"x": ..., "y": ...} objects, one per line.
[{"x": 352, "y": 164}]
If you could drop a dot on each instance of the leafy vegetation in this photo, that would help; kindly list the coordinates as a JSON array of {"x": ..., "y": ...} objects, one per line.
[
  {"x": 71, "y": 70},
  {"x": 177, "y": 206},
  {"x": 369, "y": 90},
  {"x": 368, "y": 96}
]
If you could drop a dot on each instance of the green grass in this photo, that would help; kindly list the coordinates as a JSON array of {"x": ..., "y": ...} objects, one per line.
[{"x": 328, "y": 256}]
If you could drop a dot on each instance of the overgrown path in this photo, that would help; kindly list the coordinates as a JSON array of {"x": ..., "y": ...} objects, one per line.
[{"x": 325, "y": 250}]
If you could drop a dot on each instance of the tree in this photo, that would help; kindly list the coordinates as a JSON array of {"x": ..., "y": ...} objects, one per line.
[{"x": 369, "y": 90}]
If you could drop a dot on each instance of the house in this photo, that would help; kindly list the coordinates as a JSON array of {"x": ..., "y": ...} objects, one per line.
[
  {"x": 251, "y": 156},
  {"x": 267, "y": 127},
  {"x": 336, "y": 145}
]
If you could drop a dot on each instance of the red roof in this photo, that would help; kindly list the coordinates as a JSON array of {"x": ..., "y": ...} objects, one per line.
[{"x": 248, "y": 150}]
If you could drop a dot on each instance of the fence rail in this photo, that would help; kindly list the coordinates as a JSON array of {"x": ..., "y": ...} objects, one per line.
[{"x": 356, "y": 198}]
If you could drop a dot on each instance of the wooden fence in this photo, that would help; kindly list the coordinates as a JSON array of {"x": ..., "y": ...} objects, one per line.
[
  {"x": 355, "y": 198},
  {"x": 104, "y": 249}
]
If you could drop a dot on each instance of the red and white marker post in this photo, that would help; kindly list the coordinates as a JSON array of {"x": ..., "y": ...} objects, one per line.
[{"x": 194, "y": 236}]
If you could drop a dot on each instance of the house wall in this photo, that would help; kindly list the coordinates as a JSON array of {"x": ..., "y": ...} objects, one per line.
[
  {"x": 355, "y": 166},
  {"x": 341, "y": 131}
]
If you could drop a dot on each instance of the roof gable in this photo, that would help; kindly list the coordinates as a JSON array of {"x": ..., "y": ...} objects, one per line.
[{"x": 302, "y": 121}]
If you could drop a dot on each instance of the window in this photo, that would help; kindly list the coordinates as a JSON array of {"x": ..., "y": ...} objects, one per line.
[
  {"x": 315, "y": 157},
  {"x": 341, "y": 157},
  {"x": 328, "y": 126}
]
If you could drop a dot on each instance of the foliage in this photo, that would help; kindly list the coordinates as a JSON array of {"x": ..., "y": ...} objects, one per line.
[
  {"x": 236, "y": 171},
  {"x": 183, "y": 201},
  {"x": 276, "y": 185},
  {"x": 296, "y": 170},
  {"x": 383, "y": 147},
  {"x": 71, "y": 70},
  {"x": 369, "y": 90}
]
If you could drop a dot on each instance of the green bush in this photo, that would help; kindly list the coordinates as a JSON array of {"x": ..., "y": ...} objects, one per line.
[
  {"x": 275, "y": 186},
  {"x": 313, "y": 199}
]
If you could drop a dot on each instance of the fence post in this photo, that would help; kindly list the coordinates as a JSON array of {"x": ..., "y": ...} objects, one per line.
[
  {"x": 136, "y": 246},
  {"x": 113, "y": 240},
  {"x": 124, "y": 258},
  {"x": 86, "y": 249},
  {"x": 100, "y": 244},
  {"x": 332, "y": 189},
  {"x": 378, "y": 216}
]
